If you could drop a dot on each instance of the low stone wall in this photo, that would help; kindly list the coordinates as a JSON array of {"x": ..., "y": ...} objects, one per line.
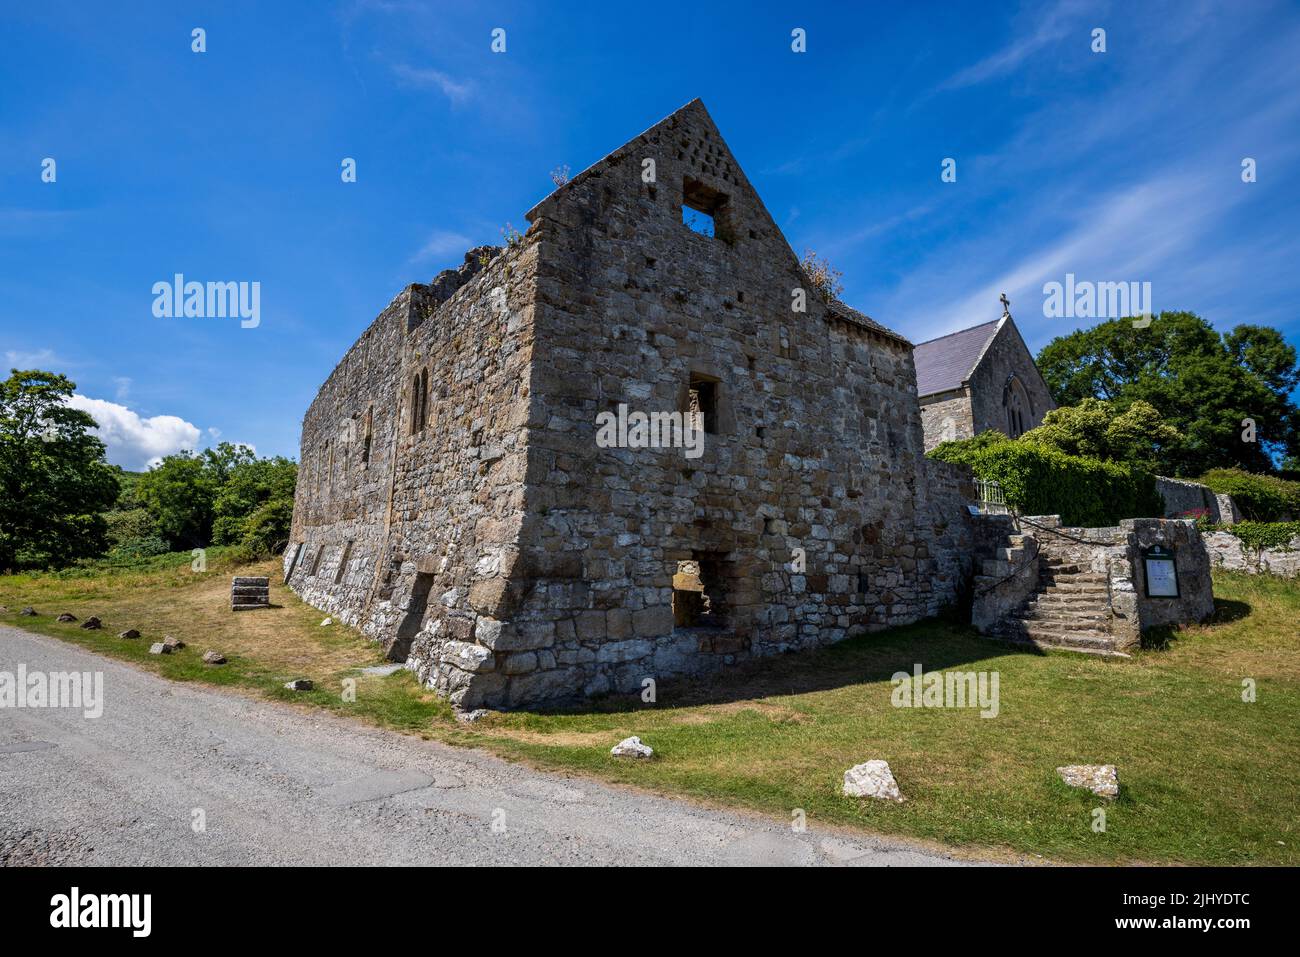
[
  {"x": 1229, "y": 552},
  {"x": 1185, "y": 499}
]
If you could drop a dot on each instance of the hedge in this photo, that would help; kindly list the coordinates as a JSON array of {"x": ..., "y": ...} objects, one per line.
[
  {"x": 1041, "y": 481},
  {"x": 1261, "y": 498}
]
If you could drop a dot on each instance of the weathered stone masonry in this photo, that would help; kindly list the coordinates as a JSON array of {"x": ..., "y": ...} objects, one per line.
[{"x": 454, "y": 503}]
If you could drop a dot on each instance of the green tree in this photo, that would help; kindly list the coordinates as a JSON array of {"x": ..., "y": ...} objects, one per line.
[
  {"x": 53, "y": 478},
  {"x": 205, "y": 498},
  {"x": 179, "y": 493},
  {"x": 1203, "y": 384},
  {"x": 248, "y": 487},
  {"x": 1095, "y": 428}
]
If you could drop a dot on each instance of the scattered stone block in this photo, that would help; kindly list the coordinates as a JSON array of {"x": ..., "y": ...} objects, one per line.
[
  {"x": 631, "y": 748},
  {"x": 469, "y": 717},
  {"x": 92, "y": 624},
  {"x": 872, "y": 779},
  {"x": 129, "y": 633},
  {"x": 28, "y": 612},
  {"x": 213, "y": 658},
  {"x": 173, "y": 644},
  {"x": 159, "y": 648},
  {"x": 248, "y": 593},
  {"x": 299, "y": 684},
  {"x": 1101, "y": 779},
  {"x": 65, "y": 617},
  {"x": 327, "y": 622}
]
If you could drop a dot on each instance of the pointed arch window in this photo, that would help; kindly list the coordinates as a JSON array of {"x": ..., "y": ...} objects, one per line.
[{"x": 419, "y": 401}]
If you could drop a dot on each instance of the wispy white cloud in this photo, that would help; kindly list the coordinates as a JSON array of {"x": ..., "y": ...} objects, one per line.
[
  {"x": 442, "y": 243},
  {"x": 427, "y": 78},
  {"x": 1050, "y": 25},
  {"x": 38, "y": 359},
  {"x": 134, "y": 442}
]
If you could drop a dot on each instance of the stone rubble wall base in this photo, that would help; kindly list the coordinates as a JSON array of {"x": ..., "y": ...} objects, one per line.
[{"x": 1229, "y": 552}]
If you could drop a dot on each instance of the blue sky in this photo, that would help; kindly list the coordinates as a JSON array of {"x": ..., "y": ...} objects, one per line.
[{"x": 225, "y": 165}]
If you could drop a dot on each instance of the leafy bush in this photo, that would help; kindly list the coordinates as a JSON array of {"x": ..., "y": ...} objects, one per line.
[
  {"x": 128, "y": 525},
  {"x": 1038, "y": 480},
  {"x": 132, "y": 549},
  {"x": 267, "y": 529},
  {"x": 1261, "y": 498}
]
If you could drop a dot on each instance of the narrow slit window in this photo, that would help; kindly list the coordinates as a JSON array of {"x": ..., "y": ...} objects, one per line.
[{"x": 702, "y": 404}]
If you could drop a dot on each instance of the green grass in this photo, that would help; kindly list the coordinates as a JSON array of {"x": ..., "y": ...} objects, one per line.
[{"x": 1206, "y": 778}]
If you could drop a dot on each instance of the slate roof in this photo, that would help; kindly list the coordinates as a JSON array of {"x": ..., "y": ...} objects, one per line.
[{"x": 945, "y": 363}]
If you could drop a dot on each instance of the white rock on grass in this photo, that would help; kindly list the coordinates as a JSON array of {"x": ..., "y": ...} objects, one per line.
[
  {"x": 631, "y": 748},
  {"x": 1101, "y": 779},
  {"x": 871, "y": 779},
  {"x": 299, "y": 684},
  {"x": 159, "y": 648},
  {"x": 327, "y": 621}
]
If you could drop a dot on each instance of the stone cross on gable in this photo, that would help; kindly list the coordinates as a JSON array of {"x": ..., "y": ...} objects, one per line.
[{"x": 1006, "y": 306}]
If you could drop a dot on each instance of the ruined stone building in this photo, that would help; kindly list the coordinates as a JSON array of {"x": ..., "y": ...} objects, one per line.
[
  {"x": 454, "y": 502},
  {"x": 978, "y": 379}
]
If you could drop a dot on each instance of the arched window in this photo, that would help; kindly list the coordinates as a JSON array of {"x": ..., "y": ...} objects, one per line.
[
  {"x": 1016, "y": 402},
  {"x": 419, "y": 400}
]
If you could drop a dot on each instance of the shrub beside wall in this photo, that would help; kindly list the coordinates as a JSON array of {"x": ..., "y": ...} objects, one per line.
[
  {"x": 1042, "y": 481},
  {"x": 1261, "y": 498}
]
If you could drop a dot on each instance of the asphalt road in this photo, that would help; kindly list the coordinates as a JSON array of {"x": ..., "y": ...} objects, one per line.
[{"x": 274, "y": 784}]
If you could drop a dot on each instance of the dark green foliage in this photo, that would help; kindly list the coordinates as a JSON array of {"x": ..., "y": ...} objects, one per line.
[
  {"x": 125, "y": 525},
  {"x": 208, "y": 498},
  {"x": 1040, "y": 480},
  {"x": 1202, "y": 383},
  {"x": 266, "y": 530},
  {"x": 256, "y": 501},
  {"x": 53, "y": 478},
  {"x": 1262, "y": 498}
]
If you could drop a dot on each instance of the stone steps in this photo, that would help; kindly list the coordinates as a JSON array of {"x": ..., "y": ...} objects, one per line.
[
  {"x": 1064, "y": 613},
  {"x": 1075, "y": 588},
  {"x": 248, "y": 593},
  {"x": 1069, "y": 611},
  {"x": 1060, "y": 635},
  {"x": 1074, "y": 578}
]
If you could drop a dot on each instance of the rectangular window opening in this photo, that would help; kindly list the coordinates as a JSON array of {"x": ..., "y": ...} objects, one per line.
[
  {"x": 702, "y": 403},
  {"x": 705, "y": 210},
  {"x": 699, "y": 591}
]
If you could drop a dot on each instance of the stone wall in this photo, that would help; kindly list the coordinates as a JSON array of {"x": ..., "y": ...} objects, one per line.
[
  {"x": 410, "y": 514},
  {"x": 1191, "y": 499},
  {"x": 511, "y": 560},
  {"x": 1230, "y": 552},
  {"x": 946, "y": 417}
]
